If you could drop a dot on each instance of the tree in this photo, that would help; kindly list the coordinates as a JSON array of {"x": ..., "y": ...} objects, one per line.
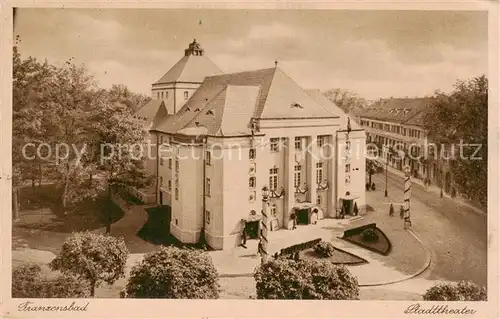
[
  {"x": 350, "y": 102},
  {"x": 28, "y": 282},
  {"x": 463, "y": 116},
  {"x": 174, "y": 273},
  {"x": 462, "y": 291},
  {"x": 120, "y": 93},
  {"x": 304, "y": 279},
  {"x": 93, "y": 258}
]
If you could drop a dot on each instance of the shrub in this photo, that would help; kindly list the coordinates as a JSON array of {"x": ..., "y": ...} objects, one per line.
[
  {"x": 92, "y": 257},
  {"x": 27, "y": 282},
  {"x": 305, "y": 279},
  {"x": 370, "y": 235},
  {"x": 463, "y": 291},
  {"x": 174, "y": 273},
  {"x": 324, "y": 249}
]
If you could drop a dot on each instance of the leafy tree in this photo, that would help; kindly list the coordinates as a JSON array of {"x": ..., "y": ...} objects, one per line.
[
  {"x": 27, "y": 282},
  {"x": 92, "y": 257},
  {"x": 174, "y": 273},
  {"x": 463, "y": 116},
  {"x": 304, "y": 279},
  {"x": 350, "y": 102},
  {"x": 462, "y": 291},
  {"x": 120, "y": 93}
]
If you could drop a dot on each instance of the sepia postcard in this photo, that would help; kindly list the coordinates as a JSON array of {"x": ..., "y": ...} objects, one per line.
[{"x": 249, "y": 160}]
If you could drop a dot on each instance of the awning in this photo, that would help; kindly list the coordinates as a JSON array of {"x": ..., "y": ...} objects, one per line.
[{"x": 303, "y": 205}]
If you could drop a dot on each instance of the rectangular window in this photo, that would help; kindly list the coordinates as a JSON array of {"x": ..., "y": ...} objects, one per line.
[
  {"x": 208, "y": 157},
  {"x": 177, "y": 165},
  {"x": 319, "y": 173},
  {"x": 161, "y": 161},
  {"x": 348, "y": 168},
  {"x": 170, "y": 163},
  {"x": 162, "y": 95},
  {"x": 169, "y": 186},
  {"x": 274, "y": 144},
  {"x": 207, "y": 187},
  {"x": 320, "y": 140},
  {"x": 186, "y": 95},
  {"x": 161, "y": 181},
  {"x": 166, "y": 95},
  {"x": 318, "y": 199},
  {"x": 296, "y": 176},
  {"x": 176, "y": 193},
  {"x": 157, "y": 95},
  {"x": 252, "y": 196},
  {"x": 298, "y": 143},
  {"x": 273, "y": 210},
  {"x": 251, "y": 182},
  {"x": 207, "y": 216},
  {"x": 273, "y": 178},
  {"x": 251, "y": 154},
  {"x": 347, "y": 145}
]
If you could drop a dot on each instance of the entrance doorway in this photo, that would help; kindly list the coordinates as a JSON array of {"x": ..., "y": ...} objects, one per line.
[
  {"x": 252, "y": 229},
  {"x": 302, "y": 216},
  {"x": 347, "y": 203}
]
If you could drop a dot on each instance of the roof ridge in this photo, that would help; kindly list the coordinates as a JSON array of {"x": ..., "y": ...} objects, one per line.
[
  {"x": 255, "y": 115},
  {"x": 238, "y": 73}
]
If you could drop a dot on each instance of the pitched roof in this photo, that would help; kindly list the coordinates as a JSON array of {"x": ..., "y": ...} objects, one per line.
[
  {"x": 401, "y": 110},
  {"x": 236, "y": 98},
  {"x": 191, "y": 68},
  {"x": 150, "y": 110},
  {"x": 323, "y": 100}
]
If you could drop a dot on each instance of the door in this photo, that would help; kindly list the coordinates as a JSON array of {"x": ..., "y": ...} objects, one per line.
[
  {"x": 252, "y": 229},
  {"x": 302, "y": 216},
  {"x": 347, "y": 206},
  {"x": 161, "y": 198}
]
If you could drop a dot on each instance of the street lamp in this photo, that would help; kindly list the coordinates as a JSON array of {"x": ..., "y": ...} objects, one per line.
[
  {"x": 386, "y": 164},
  {"x": 265, "y": 193}
]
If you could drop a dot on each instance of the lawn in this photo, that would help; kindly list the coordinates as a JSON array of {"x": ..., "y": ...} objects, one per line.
[
  {"x": 382, "y": 245},
  {"x": 339, "y": 257}
]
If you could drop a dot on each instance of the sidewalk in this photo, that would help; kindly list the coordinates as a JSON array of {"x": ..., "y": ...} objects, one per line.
[
  {"x": 436, "y": 190},
  {"x": 380, "y": 270}
]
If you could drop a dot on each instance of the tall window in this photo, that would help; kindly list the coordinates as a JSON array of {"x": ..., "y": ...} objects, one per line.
[
  {"x": 298, "y": 143},
  {"x": 161, "y": 161},
  {"x": 318, "y": 199},
  {"x": 177, "y": 165},
  {"x": 273, "y": 178},
  {"x": 169, "y": 186},
  {"x": 319, "y": 172},
  {"x": 166, "y": 95},
  {"x": 347, "y": 145},
  {"x": 251, "y": 153},
  {"x": 157, "y": 95},
  {"x": 186, "y": 95},
  {"x": 251, "y": 182},
  {"x": 170, "y": 163},
  {"x": 320, "y": 140},
  {"x": 348, "y": 168},
  {"x": 208, "y": 157},
  {"x": 273, "y": 210},
  {"x": 207, "y": 187},
  {"x": 162, "y": 95},
  {"x": 274, "y": 144},
  {"x": 176, "y": 193},
  {"x": 296, "y": 176}
]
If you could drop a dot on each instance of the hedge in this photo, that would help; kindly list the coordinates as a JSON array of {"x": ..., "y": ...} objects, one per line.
[
  {"x": 299, "y": 247},
  {"x": 358, "y": 230}
]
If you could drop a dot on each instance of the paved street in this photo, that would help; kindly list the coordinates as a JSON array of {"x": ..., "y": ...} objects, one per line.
[{"x": 455, "y": 234}]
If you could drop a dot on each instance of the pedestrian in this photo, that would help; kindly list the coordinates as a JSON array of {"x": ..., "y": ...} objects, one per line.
[
  {"x": 401, "y": 211},
  {"x": 293, "y": 218},
  {"x": 391, "y": 210}
]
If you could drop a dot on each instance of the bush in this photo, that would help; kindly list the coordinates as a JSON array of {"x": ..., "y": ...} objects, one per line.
[
  {"x": 463, "y": 291},
  {"x": 305, "y": 279},
  {"x": 324, "y": 249},
  {"x": 92, "y": 257},
  {"x": 356, "y": 209},
  {"x": 370, "y": 235},
  {"x": 373, "y": 186},
  {"x": 174, "y": 273},
  {"x": 27, "y": 282}
]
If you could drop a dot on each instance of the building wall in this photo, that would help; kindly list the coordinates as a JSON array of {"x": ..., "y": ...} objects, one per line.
[{"x": 173, "y": 94}]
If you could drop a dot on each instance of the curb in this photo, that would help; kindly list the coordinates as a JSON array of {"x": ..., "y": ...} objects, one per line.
[{"x": 419, "y": 272}]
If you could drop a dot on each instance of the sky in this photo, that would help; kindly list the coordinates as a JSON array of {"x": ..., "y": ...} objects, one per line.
[{"x": 375, "y": 54}]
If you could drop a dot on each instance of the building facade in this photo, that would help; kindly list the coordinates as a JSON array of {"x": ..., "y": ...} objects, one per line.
[
  {"x": 400, "y": 122},
  {"x": 238, "y": 133}
]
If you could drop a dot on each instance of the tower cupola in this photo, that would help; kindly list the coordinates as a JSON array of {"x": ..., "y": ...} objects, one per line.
[{"x": 194, "y": 49}]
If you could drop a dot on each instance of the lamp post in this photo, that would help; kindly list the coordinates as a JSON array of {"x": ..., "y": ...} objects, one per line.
[
  {"x": 386, "y": 164},
  {"x": 263, "y": 230}
]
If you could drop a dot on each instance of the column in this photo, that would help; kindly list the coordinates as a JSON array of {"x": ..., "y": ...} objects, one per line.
[
  {"x": 332, "y": 177},
  {"x": 289, "y": 198},
  {"x": 312, "y": 157}
]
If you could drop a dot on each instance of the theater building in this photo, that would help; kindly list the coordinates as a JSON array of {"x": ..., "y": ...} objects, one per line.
[{"x": 236, "y": 133}]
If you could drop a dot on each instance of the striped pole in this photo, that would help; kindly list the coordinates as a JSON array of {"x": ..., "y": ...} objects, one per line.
[
  {"x": 407, "y": 197},
  {"x": 263, "y": 233}
]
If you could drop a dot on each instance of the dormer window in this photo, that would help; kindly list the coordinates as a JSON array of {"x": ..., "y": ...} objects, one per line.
[
  {"x": 296, "y": 105},
  {"x": 197, "y": 109},
  {"x": 210, "y": 112}
]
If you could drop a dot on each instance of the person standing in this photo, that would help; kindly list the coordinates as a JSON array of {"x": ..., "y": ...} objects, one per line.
[{"x": 243, "y": 234}]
